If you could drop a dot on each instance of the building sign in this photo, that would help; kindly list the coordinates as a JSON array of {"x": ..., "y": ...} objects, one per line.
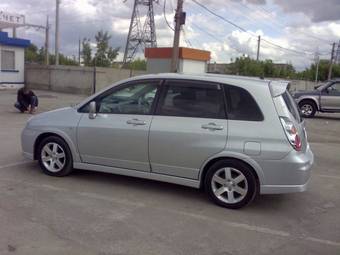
[{"x": 11, "y": 19}]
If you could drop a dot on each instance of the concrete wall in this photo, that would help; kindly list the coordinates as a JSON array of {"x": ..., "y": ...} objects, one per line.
[
  {"x": 158, "y": 65},
  {"x": 73, "y": 79},
  {"x": 192, "y": 66},
  {"x": 107, "y": 76},
  {"x": 302, "y": 85},
  {"x": 163, "y": 65},
  {"x": 297, "y": 84}
]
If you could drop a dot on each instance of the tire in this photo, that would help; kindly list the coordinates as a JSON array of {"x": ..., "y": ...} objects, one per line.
[
  {"x": 236, "y": 193},
  {"x": 55, "y": 157},
  {"x": 307, "y": 108}
]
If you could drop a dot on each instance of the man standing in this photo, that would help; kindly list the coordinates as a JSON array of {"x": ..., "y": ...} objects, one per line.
[{"x": 26, "y": 100}]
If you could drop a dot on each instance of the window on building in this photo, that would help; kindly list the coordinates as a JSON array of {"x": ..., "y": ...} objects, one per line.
[{"x": 7, "y": 60}]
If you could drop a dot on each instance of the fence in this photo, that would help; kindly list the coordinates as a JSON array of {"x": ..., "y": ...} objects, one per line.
[{"x": 74, "y": 79}]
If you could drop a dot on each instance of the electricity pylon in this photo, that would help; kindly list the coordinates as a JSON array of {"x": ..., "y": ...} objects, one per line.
[{"x": 140, "y": 35}]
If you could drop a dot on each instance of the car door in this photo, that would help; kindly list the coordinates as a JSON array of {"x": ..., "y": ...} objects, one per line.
[
  {"x": 189, "y": 126},
  {"x": 118, "y": 135},
  {"x": 330, "y": 97}
]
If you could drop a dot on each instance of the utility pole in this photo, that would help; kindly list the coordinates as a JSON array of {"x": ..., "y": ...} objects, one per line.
[
  {"x": 317, "y": 62},
  {"x": 337, "y": 55},
  {"x": 331, "y": 63},
  {"x": 258, "y": 48},
  {"x": 14, "y": 32},
  {"x": 79, "y": 52},
  {"x": 47, "y": 35},
  {"x": 57, "y": 33},
  {"x": 179, "y": 21}
]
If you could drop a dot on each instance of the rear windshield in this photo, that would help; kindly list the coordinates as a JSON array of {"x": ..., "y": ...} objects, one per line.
[{"x": 291, "y": 105}]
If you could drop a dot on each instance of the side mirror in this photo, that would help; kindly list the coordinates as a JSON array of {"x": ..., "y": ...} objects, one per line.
[{"x": 92, "y": 110}]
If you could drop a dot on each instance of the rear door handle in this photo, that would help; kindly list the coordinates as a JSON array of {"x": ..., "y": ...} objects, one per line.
[
  {"x": 212, "y": 126},
  {"x": 136, "y": 122}
]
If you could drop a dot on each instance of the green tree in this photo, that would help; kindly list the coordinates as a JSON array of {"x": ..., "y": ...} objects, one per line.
[
  {"x": 63, "y": 60},
  {"x": 34, "y": 55},
  {"x": 37, "y": 56},
  {"x": 105, "y": 54},
  {"x": 250, "y": 67},
  {"x": 138, "y": 64},
  {"x": 86, "y": 52},
  {"x": 309, "y": 73}
]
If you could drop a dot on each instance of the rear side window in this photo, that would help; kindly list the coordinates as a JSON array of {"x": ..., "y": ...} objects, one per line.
[
  {"x": 241, "y": 105},
  {"x": 192, "y": 100},
  {"x": 291, "y": 105}
]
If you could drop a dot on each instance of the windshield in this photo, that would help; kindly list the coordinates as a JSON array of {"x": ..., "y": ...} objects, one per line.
[{"x": 321, "y": 86}]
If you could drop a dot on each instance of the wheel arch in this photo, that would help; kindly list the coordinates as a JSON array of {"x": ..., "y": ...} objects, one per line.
[
  {"x": 256, "y": 169},
  {"x": 67, "y": 140},
  {"x": 310, "y": 99}
]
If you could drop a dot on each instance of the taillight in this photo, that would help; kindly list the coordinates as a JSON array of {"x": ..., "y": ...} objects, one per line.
[{"x": 291, "y": 133}]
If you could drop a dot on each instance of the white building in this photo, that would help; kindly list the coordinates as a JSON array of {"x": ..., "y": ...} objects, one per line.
[
  {"x": 12, "y": 60},
  {"x": 190, "y": 60}
]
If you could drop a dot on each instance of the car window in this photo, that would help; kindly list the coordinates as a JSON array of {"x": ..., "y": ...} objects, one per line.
[
  {"x": 335, "y": 87},
  {"x": 132, "y": 99},
  {"x": 291, "y": 105},
  {"x": 241, "y": 105},
  {"x": 321, "y": 86},
  {"x": 192, "y": 100}
]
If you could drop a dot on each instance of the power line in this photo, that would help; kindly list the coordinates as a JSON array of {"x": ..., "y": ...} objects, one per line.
[
  {"x": 270, "y": 15},
  {"x": 219, "y": 16},
  {"x": 283, "y": 48},
  {"x": 216, "y": 38},
  {"x": 248, "y": 32},
  {"x": 164, "y": 14},
  {"x": 187, "y": 41}
]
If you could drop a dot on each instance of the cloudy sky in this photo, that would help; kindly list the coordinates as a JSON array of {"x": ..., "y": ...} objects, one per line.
[{"x": 303, "y": 26}]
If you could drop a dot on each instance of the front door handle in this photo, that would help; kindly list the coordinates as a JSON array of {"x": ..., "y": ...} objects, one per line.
[
  {"x": 212, "y": 126},
  {"x": 136, "y": 122}
]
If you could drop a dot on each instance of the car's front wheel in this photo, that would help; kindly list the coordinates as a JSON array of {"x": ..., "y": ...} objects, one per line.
[
  {"x": 307, "y": 108},
  {"x": 231, "y": 184},
  {"x": 55, "y": 157}
]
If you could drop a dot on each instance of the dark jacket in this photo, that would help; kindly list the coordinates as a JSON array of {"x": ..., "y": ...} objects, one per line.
[{"x": 25, "y": 99}]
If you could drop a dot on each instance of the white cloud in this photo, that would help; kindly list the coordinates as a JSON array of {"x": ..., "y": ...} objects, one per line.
[{"x": 285, "y": 24}]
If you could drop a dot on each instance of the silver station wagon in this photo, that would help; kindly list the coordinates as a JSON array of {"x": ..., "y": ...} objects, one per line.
[{"x": 236, "y": 137}]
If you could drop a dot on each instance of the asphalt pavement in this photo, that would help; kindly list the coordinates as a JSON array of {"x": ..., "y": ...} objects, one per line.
[{"x": 97, "y": 213}]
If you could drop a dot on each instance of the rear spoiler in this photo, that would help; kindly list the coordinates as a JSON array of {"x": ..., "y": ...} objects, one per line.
[{"x": 277, "y": 88}]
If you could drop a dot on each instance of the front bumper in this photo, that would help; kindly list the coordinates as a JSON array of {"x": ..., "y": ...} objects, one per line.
[
  {"x": 288, "y": 175},
  {"x": 28, "y": 137}
]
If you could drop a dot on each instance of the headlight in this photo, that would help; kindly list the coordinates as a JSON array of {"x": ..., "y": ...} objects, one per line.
[
  {"x": 29, "y": 120},
  {"x": 295, "y": 95}
]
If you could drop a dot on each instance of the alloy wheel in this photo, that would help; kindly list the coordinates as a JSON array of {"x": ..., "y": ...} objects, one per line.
[
  {"x": 53, "y": 157},
  {"x": 229, "y": 185},
  {"x": 306, "y": 109}
]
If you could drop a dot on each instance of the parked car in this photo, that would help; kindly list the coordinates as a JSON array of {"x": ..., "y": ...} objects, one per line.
[
  {"x": 236, "y": 137},
  {"x": 324, "y": 98}
]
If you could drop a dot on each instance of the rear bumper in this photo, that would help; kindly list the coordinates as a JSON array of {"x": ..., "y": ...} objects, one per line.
[
  {"x": 288, "y": 175},
  {"x": 280, "y": 189}
]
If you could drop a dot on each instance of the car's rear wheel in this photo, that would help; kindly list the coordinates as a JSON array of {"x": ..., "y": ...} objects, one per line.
[
  {"x": 231, "y": 184},
  {"x": 307, "y": 108},
  {"x": 55, "y": 157}
]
